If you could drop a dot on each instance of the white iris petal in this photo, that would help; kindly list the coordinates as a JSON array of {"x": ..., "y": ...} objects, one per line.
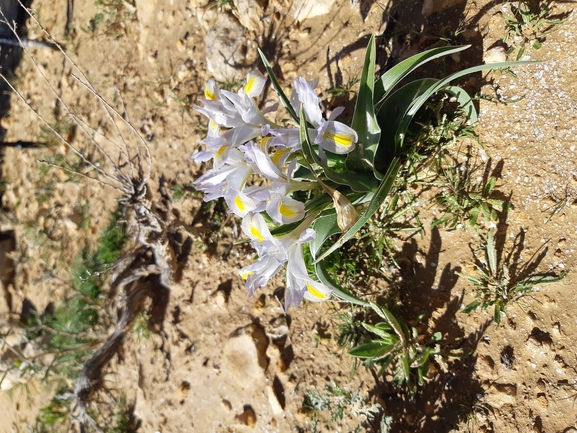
[{"x": 336, "y": 137}]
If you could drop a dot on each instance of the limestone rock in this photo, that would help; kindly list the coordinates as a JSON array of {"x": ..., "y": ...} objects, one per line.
[
  {"x": 250, "y": 14},
  {"x": 227, "y": 48},
  {"x": 304, "y": 9},
  {"x": 495, "y": 55},
  {"x": 244, "y": 355},
  {"x": 273, "y": 401}
]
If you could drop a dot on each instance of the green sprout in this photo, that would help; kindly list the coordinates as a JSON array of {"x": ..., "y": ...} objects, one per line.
[
  {"x": 531, "y": 21},
  {"x": 341, "y": 404},
  {"x": 463, "y": 197},
  {"x": 397, "y": 350},
  {"x": 496, "y": 285}
]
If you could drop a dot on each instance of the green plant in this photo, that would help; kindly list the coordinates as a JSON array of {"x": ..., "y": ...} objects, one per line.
[
  {"x": 529, "y": 24},
  {"x": 498, "y": 282},
  {"x": 112, "y": 18},
  {"x": 349, "y": 171},
  {"x": 340, "y": 404},
  {"x": 55, "y": 417},
  {"x": 464, "y": 195},
  {"x": 141, "y": 328},
  {"x": 123, "y": 420},
  {"x": 439, "y": 128},
  {"x": 567, "y": 197},
  {"x": 183, "y": 192},
  {"x": 346, "y": 88},
  {"x": 64, "y": 338},
  {"x": 397, "y": 350}
]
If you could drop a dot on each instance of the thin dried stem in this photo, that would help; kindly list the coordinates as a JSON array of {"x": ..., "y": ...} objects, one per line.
[
  {"x": 107, "y": 107},
  {"x": 64, "y": 105},
  {"x": 57, "y": 134},
  {"x": 51, "y": 164}
]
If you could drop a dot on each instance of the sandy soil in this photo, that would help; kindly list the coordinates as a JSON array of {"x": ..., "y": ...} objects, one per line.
[{"x": 199, "y": 374}]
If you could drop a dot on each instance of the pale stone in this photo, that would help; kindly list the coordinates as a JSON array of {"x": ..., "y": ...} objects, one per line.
[
  {"x": 219, "y": 298},
  {"x": 495, "y": 55},
  {"x": 277, "y": 328},
  {"x": 227, "y": 47},
  {"x": 273, "y": 401},
  {"x": 244, "y": 355},
  {"x": 250, "y": 14},
  {"x": 305, "y": 9}
]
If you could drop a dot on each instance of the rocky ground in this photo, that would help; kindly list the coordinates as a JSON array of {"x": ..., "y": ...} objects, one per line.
[{"x": 222, "y": 362}]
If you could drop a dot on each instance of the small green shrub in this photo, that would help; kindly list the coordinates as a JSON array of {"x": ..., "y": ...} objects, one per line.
[
  {"x": 529, "y": 24},
  {"x": 340, "y": 404},
  {"x": 496, "y": 286},
  {"x": 397, "y": 350}
]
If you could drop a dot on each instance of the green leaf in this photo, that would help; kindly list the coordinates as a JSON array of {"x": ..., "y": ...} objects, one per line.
[
  {"x": 283, "y": 98},
  {"x": 490, "y": 186},
  {"x": 338, "y": 291},
  {"x": 325, "y": 226},
  {"x": 391, "y": 116},
  {"x": 545, "y": 279},
  {"x": 394, "y": 75},
  {"x": 472, "y": 306},
  {"x": 465, "y": 101},
  {"x": 380, "y": 195},
  {"x": 497, "y": 312},
  {"x": 392, "y": 320},
  {"x": 384, "y": 334},
  {"x": 361, "y": 158},
  {"x": 492, "y": 253},
  {"x": 442, "y": 83},
  {"x": 373, "y": 349}
]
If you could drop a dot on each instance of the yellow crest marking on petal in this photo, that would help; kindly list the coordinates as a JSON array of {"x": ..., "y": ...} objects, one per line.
[
  {"x": 239, "y": 203},
  {"x": 263, "y": 142},
  {"x": 219, "y": 152},
  {"x": 257, "y": 234},
  {"x": 340, "y": 139},
  {"x": 278, "y": 155},
  {"x": 213, "y": 126},
  {"x": 245, "y": 274},
  {"x": 209, "y": 95},
  {"x": 316, "y": 293},
  {"x": 249, "y": 85},
  {"x": 287, "y": 211}
]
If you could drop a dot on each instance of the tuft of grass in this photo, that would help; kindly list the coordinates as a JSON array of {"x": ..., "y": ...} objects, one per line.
[
  {"x": 463, "y": 189},
  {"x": 529, "y": 24},
  {"x": 340, "y": 404},
  {"x": 141, "y": 328},
  {"x": 184, "y": 192},
  {"x": 346, "y": 89},
  {"x": 498, "y": 282},
  {"x": 465, "y": 195},
  {"x": 112, "y": 19}
]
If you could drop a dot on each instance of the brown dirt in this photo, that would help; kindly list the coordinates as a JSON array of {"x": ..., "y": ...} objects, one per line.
[{"x": 521, "y": 376}]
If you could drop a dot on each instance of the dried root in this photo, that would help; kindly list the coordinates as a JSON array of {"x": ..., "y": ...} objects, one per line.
[{"x": 147, "y": 270}]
